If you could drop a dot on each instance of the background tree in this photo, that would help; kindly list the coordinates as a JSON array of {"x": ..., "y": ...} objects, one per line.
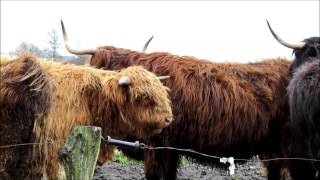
[
  {"x": 29, "y": 47},
  {"x": 53, "y": 44},
  {"x": 51, "y": 50}
]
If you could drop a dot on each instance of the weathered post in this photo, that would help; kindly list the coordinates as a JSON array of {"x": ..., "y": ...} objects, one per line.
[{"x": 79, "y": 154}]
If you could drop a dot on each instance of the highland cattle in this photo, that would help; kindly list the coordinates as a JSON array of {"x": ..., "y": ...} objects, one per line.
[
  {"x": 222, "y": 109},
  {"x": 49, "y": 99},
  {"x": 304, "y": 102}
]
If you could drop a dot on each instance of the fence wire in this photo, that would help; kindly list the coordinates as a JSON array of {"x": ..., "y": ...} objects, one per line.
[
  {"x": 144, "y": 146},
  {"x": 147, "y": 147},
  {"x": 17, "y": 145}
]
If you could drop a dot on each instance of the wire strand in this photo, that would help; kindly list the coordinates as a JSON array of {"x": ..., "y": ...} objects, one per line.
[
  {"x": 144, "y": 146},
  {"x": 22, "y": 144}
]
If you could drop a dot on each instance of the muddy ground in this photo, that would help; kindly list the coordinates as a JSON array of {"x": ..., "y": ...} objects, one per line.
[{"x": 191, "y": 170}]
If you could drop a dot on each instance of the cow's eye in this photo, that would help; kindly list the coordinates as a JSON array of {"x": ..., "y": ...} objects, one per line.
[
  {"x": 149, "y": 101},
  {"x": 145, "y": 100}
]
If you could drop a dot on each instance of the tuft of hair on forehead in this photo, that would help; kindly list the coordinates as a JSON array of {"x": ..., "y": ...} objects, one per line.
[
  {"x": 144, "y": 82},
  {"x": 310, "y": 51},
  {"x": 313, "y": 40}
]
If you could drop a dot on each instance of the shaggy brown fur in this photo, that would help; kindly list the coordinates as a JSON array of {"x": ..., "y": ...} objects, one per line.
[
  {"x": 25, "y": 97},
  {"x": 87, "y": 96},
  {"x": 224, "y": 109}
]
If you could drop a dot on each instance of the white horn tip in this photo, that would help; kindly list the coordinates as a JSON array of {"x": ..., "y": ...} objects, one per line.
[
  {"x": 124, "y": 81},
  {"x": 163, "y": 77}
]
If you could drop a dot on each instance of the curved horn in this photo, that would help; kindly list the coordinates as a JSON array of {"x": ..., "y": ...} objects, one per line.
[
  {"x": 74, "y": 51},
  {"x": 298, "y": 45},
  {"x": 125, "y": 80},
  {"x": 146, "y": 44},
  {"x": 163, "y": 77}
]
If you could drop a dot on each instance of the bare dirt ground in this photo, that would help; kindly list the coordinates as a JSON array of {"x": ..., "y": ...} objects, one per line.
[{"x": 191, "y": 170}]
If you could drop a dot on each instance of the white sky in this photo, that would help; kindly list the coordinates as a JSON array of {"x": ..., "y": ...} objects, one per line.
[{"x": 214, "y": 30}]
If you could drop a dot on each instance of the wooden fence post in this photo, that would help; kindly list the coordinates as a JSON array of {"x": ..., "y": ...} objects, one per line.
[{"x": 80, "y": 153}]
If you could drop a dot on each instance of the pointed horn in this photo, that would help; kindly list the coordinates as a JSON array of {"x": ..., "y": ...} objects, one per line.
[
  {"x": 124, "y": 81},
  {"x": 74, "y": 51},
  {"x": 163, "y": 77},
  {"x": 146, "y": 44},
  {"x": 298, "y": 45}
]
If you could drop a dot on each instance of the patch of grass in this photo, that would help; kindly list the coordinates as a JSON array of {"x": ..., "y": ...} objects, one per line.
[
  {"x": 235, "y": 178},
  {"x": 119, "y": 157},
  {"x": 123, "y": 159},
  {"x": 263, "y": 171},
  {"x": 183, "y": 160}
]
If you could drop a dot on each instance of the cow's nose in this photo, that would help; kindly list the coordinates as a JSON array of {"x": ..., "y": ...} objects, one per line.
[{"x": 169, "y": 120}]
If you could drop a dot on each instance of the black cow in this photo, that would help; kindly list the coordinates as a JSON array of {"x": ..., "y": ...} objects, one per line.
[{"x": 304, "y": 102}]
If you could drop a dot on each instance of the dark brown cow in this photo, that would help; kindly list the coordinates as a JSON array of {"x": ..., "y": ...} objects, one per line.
[
  {"x": 25, "y": 97},
  {"x": 304, "y": 102},
  {"x": 224, "y": 109}
]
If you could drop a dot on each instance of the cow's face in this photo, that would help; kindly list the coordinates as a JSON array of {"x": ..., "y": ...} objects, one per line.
[
  {"x": 310, "y": 50},
  {"x": 304, "y": 51},
  {"x": 143, "y": 102}
]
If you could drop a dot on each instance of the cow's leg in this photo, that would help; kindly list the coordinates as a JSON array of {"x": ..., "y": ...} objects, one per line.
[
  {"x": 277, "y": 170},
  {"x": 160, "y": 164},
  {"x": 105, "y": 154},
  {"x": 274, "y": 170},
  {"x": 301, "y": 170},
  {"x": 170, "y": 165}
]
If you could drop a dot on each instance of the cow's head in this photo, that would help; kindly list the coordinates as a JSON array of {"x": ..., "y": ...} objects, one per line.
[
  {"x": 142, "y": 103},
  {"x": 303, "y": 51}
]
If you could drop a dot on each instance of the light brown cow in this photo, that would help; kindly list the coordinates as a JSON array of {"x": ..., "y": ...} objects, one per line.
[{"x": 129, "y": 102}]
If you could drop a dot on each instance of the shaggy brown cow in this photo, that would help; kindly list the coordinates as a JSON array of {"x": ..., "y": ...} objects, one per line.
[
  {"x": 224, "y": 109},
  {"x": 304, "y": 102},
  {"x": 25, "y": 97},
  {"x": 131, "y": 102}
]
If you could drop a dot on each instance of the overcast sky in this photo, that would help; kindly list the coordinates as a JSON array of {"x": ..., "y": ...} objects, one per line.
[{"x": 214, "y": 30}]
